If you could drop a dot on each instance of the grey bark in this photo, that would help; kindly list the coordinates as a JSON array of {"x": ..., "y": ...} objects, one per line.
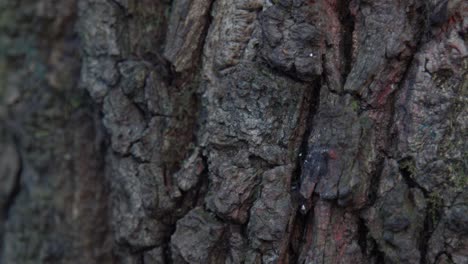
[{"x": 247, "y": 131}]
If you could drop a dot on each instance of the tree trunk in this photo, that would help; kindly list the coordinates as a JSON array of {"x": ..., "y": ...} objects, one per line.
[{"x": 246, "y": 131}]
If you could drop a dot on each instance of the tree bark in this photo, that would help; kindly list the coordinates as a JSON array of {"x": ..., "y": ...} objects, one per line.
[{"x": 220, "y": 131}]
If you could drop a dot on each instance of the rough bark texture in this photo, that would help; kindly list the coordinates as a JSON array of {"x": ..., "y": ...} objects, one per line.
[{"x": 233, "y": 131}]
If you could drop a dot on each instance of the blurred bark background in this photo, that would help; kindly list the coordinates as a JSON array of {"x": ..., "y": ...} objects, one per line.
[{"x": 233, "y": 131}]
